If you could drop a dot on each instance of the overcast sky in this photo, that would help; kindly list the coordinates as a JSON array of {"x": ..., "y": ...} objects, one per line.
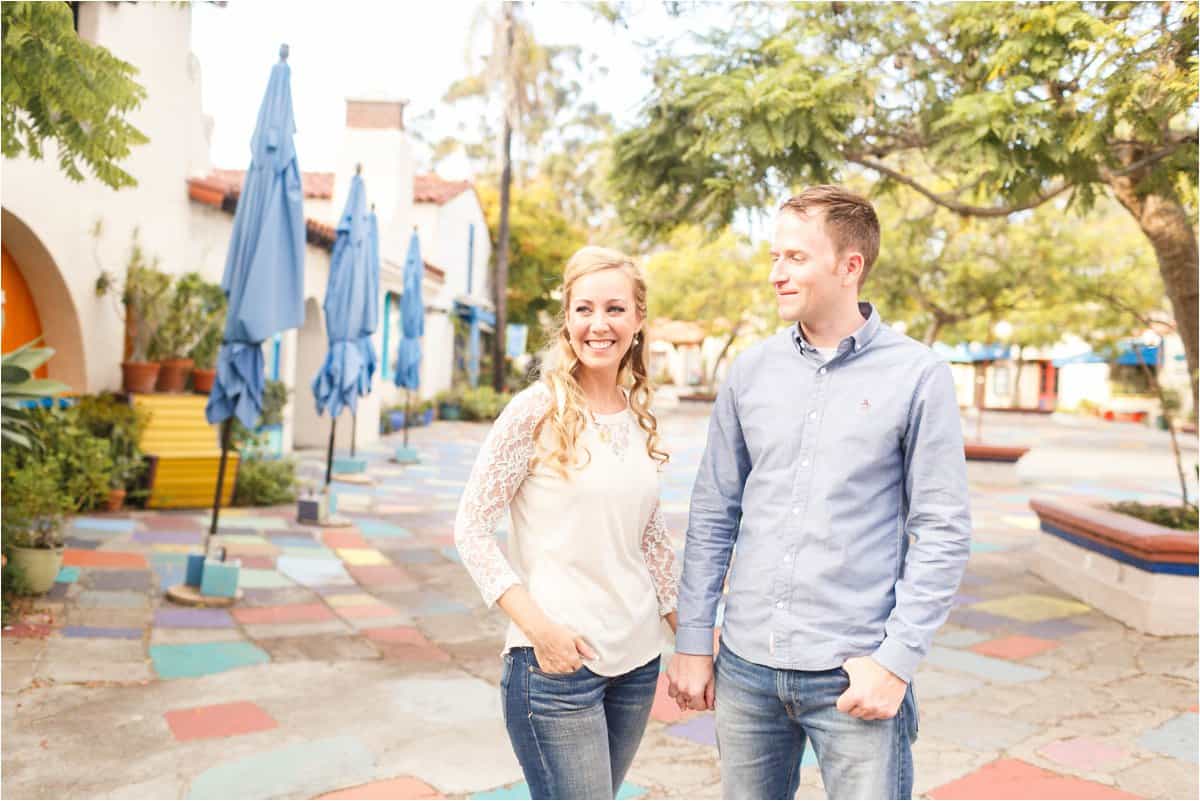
[{"x": 383, "y": 50}]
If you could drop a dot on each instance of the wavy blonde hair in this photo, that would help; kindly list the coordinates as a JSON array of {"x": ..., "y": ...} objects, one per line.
[{"x": 567, "y": 418}]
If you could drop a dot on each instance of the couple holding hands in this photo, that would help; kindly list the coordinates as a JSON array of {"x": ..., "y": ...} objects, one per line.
[{"x": 834, "y": 462}]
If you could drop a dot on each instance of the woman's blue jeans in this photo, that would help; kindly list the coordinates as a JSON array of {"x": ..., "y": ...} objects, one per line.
[
  {"x": 766, "y": 716},
  {"x": 575, "y": 734}
]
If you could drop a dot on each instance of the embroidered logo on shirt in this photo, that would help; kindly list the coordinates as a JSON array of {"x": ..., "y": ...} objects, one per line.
[{"x": 865, "y": 406}]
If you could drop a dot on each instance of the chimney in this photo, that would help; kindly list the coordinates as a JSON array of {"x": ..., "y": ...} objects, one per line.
[
  {"x": 375, "y": 137},
  {"x": 375, "y": 114}
]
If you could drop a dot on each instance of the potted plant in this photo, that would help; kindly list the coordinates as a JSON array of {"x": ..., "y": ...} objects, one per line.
[
  {"x": 121, "y": 425},
  {"x": 204, "y": 354},
  {"x": 179, "y": 333},
  {"x": 396, "y": 417},
  {"x": 33, "y": 511},
  {"x": 144, "y": 296},
  {"x": 449, "y": 404},
  {"x": 426, "y": 411}
]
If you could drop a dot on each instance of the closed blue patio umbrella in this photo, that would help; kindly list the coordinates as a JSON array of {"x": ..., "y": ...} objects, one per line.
[
  {"x": 366, "y": 343},
  {"x": 412, "y": 323},
  {"x": 264, "y": 269},
  {"x": 350, "y": 314}
]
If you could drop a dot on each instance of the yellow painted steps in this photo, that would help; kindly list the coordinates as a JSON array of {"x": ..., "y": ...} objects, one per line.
[{"x": 186, "y": 452}]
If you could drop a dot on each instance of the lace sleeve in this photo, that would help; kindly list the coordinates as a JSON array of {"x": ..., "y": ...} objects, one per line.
[
  {"x": 660, "y": 559},
  {"x": 502, "y": 464}
]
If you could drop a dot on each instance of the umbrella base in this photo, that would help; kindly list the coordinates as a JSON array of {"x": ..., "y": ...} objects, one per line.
[
  {"x": 184, "y": 595},
  {"x": 353, "y": 478},
  {"x": 328, "y": 522},
  {"x": 406, "y": 456}
]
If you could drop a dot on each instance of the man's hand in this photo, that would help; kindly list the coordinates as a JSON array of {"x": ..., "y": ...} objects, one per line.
[
  {"x": 875, "y": 693},
  {"x": 691, "y": 683}
]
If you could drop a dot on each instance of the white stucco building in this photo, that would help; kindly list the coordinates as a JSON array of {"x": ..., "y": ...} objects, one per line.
[{"x": 182, "y": 211}]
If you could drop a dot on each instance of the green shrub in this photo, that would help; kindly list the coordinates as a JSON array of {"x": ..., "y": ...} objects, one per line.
[
  {"x": 121, "y": 425},
  {"x": 483, "y": 403},
  {"x": 265, "y": 482},
  {"x": 84, "y": 461},
  {"x": 1180, "y": 517},
  {"x": 34, "y": 502}
]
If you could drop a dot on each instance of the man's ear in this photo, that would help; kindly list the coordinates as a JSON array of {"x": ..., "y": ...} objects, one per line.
[{"x": 852, "y": 267}]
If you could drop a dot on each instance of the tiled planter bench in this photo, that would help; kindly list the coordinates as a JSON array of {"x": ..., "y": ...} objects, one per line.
[
  {"x": 1142, "y": 574},
  {"x": 981, "y": 452}
]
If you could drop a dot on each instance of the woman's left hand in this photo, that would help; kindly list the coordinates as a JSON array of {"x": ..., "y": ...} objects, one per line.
[{"x": 672, "y": 619}]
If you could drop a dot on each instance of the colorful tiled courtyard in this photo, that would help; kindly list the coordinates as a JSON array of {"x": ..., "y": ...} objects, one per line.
[{"x": 361, "y": 662}]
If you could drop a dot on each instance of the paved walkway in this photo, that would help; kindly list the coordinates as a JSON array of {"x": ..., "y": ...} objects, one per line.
[{"x": 362, "y": 662}]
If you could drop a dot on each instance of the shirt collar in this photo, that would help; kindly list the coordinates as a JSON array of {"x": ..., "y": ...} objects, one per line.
[{"x": 858, "y": 340}]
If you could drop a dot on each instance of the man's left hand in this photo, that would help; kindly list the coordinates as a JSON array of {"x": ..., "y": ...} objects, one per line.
[{"x": 875, "y": 693}]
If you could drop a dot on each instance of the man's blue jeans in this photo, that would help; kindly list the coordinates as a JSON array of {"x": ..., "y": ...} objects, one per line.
[
  {"x": 575, "y": 734},
  {"x": 766, "y": 716}
]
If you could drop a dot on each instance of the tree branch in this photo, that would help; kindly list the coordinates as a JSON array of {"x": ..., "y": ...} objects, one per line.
[{"x": 951, "y": 204}]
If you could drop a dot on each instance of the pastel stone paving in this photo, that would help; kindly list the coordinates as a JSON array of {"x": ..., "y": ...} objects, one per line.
[{"x": 362, "y": 663}]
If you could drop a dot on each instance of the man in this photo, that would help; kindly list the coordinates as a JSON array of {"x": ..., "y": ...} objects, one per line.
[{"x": 835, "y": 462}]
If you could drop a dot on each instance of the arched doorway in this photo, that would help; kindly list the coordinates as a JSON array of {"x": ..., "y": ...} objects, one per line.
[{"x": 38, "y": 301}]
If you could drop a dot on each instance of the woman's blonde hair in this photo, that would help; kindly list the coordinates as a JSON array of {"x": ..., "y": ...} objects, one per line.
[{"x": 567, "y": 418}]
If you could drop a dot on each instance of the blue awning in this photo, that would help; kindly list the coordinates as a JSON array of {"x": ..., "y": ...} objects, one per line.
[
  {"x": 964, "y": 353},
  {"x": 1151, "y": 354}
]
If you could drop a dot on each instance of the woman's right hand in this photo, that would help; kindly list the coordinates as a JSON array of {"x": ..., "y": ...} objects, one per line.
[{"x": 559, "y": 650}]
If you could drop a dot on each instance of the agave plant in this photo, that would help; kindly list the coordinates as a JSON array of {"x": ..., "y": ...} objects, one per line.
[{"x": 19, "y": 387}]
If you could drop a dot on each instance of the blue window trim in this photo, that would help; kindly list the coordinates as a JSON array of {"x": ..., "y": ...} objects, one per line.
[
  {"x": 276, "y": 346},
  {"x": 387, "y": 331},
  {"x": 470, "y": 256}
]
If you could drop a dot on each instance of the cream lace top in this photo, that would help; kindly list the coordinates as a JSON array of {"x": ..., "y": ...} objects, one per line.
[{"x": 592, "y": 549}]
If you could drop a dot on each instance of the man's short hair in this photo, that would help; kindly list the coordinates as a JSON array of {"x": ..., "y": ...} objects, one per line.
[{"x": 849, "y": 220}]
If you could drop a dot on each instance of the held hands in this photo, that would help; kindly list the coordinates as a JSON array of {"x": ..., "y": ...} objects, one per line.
[
  {"x": 875, "y": 693},
  {"x": 691, "y": 682},
  {"x": 560, "y": 650}
]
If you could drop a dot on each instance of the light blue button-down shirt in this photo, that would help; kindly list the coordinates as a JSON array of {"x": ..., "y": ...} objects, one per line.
[{"x": 844, "y": 486}]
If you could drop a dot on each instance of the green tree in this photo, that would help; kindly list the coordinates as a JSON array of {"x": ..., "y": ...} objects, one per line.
[
  {"x": 61, "y": 89},
  {"x": 540, "y": 242},
  {"x": 1009, "y": 105},
  {"x": 720, "y": 284}
]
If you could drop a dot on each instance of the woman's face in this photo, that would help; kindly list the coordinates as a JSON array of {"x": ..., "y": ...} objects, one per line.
[{"x": 602, "y": 318}]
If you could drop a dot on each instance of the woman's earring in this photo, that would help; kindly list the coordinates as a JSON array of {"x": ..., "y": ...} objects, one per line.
[{"x": 637, "y": 339}]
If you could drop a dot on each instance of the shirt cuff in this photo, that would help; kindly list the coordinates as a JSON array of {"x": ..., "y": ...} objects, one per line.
[
  {"x": 898, "y": 658},
  {"x": 696, "y": 640}
]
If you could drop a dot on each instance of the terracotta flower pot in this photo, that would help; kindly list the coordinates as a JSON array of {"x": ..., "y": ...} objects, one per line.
[
  {"x": 202, "y": 380},
  {"x": 116, "y": 500},
  {"x": 174, "y": 375},
  {"x": 139, "y": 376}
]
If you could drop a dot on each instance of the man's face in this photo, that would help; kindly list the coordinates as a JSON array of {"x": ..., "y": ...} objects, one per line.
[{"x": 805, "y": 269}]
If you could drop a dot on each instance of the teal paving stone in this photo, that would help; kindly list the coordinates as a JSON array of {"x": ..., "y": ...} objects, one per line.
[
  {"x": 294, "y": 541},
  {"x": 381, "y": 528},
  {"x": 312, "y": 552},
  {"x": 103, "y": 524},
  {"x": 203, "y": 659},
  {"x": 170, "y": 576},
  {"x": 163, "y": 559},
  {"x": 985, "y": 667},
  {"x": 439, "y": 605},
  {"x": 987, "y": 547},
  {"x": 67, "y": 575},
  {"x": 255, "y": 579},
  {"x": 112, "y": 599},
  {"x": 451, "y": 553},
  {"x": 101, "y": 632},
  {"x": 314, "y": 572},
  {"x": 299, "y": 770},
  {"x": 1176, "y": 738}
]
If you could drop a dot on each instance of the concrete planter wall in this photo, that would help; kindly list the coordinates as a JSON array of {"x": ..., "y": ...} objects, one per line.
[{"x": 1142, "y": 574}]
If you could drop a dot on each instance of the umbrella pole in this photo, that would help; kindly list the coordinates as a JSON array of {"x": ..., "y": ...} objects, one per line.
[
  {"x": 225, "y": 429},
  {"x": 407, "y": 413},
  {"x": 353, "y": 431},
  {"x": 329, "y": 458}
]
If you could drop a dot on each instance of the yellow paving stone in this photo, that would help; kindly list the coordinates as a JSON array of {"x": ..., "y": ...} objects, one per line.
[
  {"x": 1027, "y": 522},
  {"x": 1032, "y": 608},
  {"x": 351, "y": 599},
  {"x": 360, "y": 557}
]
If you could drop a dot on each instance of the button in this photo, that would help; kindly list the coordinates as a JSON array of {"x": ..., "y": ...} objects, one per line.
[
  {"x": 779, "y": 604},
  {"x": 804, "y": 463},
  {"x": 822, "y": 371},
  {"x": 812, "y": 415},
  {"x": 795, "y": 510}
]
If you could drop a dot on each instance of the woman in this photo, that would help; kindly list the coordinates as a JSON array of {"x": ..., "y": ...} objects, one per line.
[{"x": 574, "y": 459}]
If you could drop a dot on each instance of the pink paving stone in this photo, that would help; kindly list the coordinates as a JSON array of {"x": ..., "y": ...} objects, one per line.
[
  {"x": 77, "y": 557},
  {"x": 380, "y": 574},
  {"x": 1015, "y": 647},
  {"x": 344, "y": 539},
  {"x": 401, "y": 787},
  {"x": 1082, "y": 753},
  {"x": 413, "y": 653},
  {"x": 1013, "y": 778},
  {"x": 291, "y": 613},
  {"x": 665, "y": 710},
  {"x": 365, "y": 611},
  {"x": 218, "y": 720},
  {"x": 36, "y": 631},
  {"x": 401, "y": 635},
  {"x": 258, "y": 562}
]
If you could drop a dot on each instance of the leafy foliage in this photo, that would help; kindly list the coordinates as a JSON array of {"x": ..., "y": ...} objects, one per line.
[
  {"x": 265, "y": 482},
  {"x": 20, "y": 387},
  {"x": 62, "y": 89},
  {"x": 1180, "y": 517}
]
